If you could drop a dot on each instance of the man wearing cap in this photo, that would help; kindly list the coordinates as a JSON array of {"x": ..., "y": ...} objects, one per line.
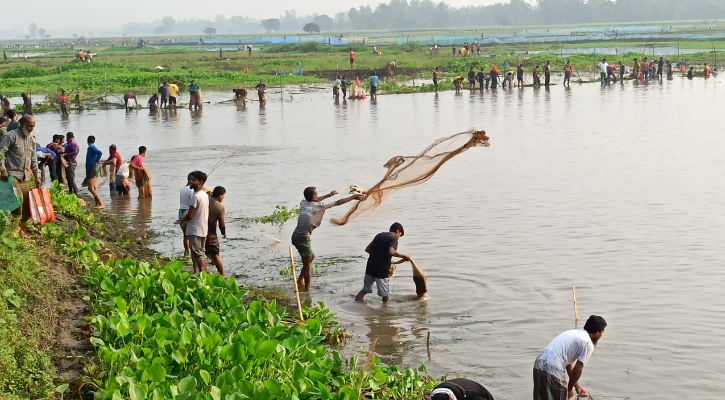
[{"x": 459, "y": 389}]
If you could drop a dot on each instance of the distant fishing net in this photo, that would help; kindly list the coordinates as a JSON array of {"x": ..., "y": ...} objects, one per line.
[{"x": 413, "y": 170}]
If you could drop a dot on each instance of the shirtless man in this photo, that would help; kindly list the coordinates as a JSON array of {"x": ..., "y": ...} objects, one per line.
[{"x": 127, "y": 100}]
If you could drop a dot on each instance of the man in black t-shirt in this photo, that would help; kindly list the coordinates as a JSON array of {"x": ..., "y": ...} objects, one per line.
[
  {"x": 383, "y": 247},
  {"x": 460, "y": 389}
]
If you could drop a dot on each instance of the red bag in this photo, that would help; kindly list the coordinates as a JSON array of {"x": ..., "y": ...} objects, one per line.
[{"x": 41, "y": 208}]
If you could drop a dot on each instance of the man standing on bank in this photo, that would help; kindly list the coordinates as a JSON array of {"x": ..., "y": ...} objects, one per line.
[
  {"x": 312, "y": 210},
  {"x": 383, "y": 247},
  {"x": 17, "y": 159},
  {"x": 566, "y": 355},
  {"x": 197, "y": 217}
]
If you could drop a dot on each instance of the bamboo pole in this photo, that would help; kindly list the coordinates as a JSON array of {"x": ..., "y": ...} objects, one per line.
[
  {"x": 297, "y": 290},
  {"x": 576, "y": 310}
]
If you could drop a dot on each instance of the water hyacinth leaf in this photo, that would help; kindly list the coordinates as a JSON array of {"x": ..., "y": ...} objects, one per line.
[
  {"x": 120, "y": 304},
  {"x": 168, "y": 287},
  {"x": 136, "y": 392},
  {"x": 273, "y": 387},
  {"x": 157, "y": 372},
  {"x": 206, "y": 331},
  {"x": 266, "y": 348},
  {"x": 107, "y": 285},
  {"x": 314, "y": 326},
  {"x": 62, "y": 388},
  {"x": 205, "y": 376},
  {"x": 216, "y": 393},
  {"x": 187, "y": 384},
  {"x": 324, "y": 391},
  {"x": 122, "y": 328},
  {"x": 235, "y": 352}
]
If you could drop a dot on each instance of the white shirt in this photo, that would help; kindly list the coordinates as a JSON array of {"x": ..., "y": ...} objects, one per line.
[
  {"x": 311, "y": 214},
  {"x": 603, "y": 67},
  {"x": 198, "y": 225},
  {"x": 186, "y": 197},
  {"x": 123, "y": 170},
  {"x": 570, "y": 346}
]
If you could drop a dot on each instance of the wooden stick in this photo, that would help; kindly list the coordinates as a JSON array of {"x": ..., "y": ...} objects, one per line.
[
  {"x": 297, "y": 290},
  {"x": 576, "y": 310},
  {"x": 427, "y": 342},
  {"x": 264, "y": 234}
]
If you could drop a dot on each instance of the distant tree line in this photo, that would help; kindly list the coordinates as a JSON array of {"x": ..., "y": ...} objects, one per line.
[{"x": 426, "y": 14}]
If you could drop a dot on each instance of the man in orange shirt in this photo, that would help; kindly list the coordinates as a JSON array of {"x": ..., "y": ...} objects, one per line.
[
  {"x": 706, "y": 71},
  {"x": 352, "y": 59}
]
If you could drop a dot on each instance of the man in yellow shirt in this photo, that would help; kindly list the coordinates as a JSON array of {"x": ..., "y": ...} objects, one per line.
[
  {"x": 706, "y": 71},
  {"x": 173, "y": 92}
]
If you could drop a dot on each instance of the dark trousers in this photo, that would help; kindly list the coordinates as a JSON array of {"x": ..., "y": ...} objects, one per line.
[
  {"x": 52, "y": 168},
  {"x": 70, "y": 175}
]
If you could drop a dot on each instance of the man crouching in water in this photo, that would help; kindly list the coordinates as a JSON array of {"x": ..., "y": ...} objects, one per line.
[
  {"x": 312, "y": 210},
  {"x": 383, "y": 247}
]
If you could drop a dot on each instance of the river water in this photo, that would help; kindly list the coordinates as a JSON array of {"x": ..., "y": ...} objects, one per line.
[{"x": 616, "y": 189}]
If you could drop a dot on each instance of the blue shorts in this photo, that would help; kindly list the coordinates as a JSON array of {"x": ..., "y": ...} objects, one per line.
[{"x": 382, "y": 284}]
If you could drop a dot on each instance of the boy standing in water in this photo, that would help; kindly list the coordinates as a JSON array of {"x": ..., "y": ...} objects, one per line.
[
  {"x": 312, "y": 210},
  {"x": 381, "y": 250}
]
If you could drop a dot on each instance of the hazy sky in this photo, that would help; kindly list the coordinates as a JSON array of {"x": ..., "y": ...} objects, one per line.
[{"x": 106, "y": 14}]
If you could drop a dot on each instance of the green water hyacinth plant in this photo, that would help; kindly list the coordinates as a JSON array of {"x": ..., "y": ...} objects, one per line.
[{"x": 163, "y": 333}]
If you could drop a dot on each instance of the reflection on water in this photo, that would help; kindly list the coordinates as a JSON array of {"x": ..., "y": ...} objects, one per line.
[{"x": 617, "y": 189}]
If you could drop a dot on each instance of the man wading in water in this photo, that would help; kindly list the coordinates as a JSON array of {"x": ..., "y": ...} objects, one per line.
[
  {"x": 312, "y": 210},
  {"x": 566, "y": 355},
  {"x": 383, "y": 247}
]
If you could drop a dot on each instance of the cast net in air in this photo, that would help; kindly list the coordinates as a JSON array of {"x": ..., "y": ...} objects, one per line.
[{"x": 406, "y": 171}]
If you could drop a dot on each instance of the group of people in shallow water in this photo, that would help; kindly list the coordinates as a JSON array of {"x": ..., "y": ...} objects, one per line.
[
  {"x": 168, "y": 92},
  {"x": 640, "y": 71}
]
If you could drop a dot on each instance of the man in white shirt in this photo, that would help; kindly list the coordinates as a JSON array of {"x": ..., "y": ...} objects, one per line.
[
  {"x": 312, "y": 210},
  {"x": 197, "y": 219},
  {"x": 566, "y": 355},
  {"x": 603, "y": 71},
  {"x": 186, "y": 196}
]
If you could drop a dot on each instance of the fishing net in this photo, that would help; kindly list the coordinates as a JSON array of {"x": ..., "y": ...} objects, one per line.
[
  {"x": 419, "y": 278},
  {"x": 406, "y": 171}
]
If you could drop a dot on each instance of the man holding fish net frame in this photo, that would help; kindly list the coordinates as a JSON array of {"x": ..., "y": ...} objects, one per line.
[{"x": 381, "y": 250}]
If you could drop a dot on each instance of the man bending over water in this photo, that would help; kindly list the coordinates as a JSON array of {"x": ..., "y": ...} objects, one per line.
[
  {"x": 566, "y": 356},
  {"x": 381, "y": 250},
  {"x": 312, "y": 210}
]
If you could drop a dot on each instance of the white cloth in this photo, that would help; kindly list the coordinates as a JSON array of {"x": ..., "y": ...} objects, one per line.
[
  {"x": 124, "y": 170},
  {"x": 572, "y": 345},
  {"x": 603, "y": 67},
  {"x": 186, "y": 197},
  {"x": 198, "y": 225},
  {"x": 311, "y": 214},
  {"x": 450, "y": 394}
]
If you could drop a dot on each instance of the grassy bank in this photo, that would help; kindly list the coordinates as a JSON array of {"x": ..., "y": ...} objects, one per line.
[
  {"x": 146, "y": 328},
  {"x": 116, "y": 70}
]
